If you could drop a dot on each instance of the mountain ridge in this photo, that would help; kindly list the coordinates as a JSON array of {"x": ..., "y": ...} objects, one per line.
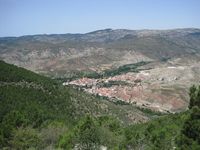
[
  {"x": 105, "y": 29},
  {"x": 94, "y": 50}
]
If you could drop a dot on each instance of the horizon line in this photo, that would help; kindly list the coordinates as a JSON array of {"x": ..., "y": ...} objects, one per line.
[{"x": 82, "y": 33}]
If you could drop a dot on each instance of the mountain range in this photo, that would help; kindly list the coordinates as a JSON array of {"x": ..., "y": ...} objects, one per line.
[{"x": 60, "y": 54}]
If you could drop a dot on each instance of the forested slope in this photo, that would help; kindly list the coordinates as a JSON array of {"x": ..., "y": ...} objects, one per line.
[{"x": 38, "y": 113}]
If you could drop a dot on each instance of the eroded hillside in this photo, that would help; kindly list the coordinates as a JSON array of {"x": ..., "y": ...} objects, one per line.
[{"x": 96, "y": 51}]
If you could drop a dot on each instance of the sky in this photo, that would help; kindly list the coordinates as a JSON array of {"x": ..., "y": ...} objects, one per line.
[{"x": 28, "y": 17}]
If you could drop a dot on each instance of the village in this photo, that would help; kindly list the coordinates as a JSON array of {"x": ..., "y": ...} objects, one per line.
[{"x": 142, "y": 89}]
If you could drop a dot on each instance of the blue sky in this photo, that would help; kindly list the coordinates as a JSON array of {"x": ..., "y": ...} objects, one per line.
[{"x": 23, "y": 17}]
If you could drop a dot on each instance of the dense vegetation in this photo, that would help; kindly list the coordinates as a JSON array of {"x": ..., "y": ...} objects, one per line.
[
  {"x": 124, "y": 69},
  {"x": 190, "y": 133},
  {"x": 33, "y": 107},
  {"x": 106, "y": 73},
  {"x": 28, "y": 101},
  {"x": 38, "y": 113},
  {"x": 175, "y": 131}
]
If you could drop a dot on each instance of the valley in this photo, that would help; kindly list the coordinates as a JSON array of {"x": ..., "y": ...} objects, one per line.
[
  {"x": 107, "y": 89},
  {"x": 39, "y": 113},
  {"x": 149, "y": 68}
]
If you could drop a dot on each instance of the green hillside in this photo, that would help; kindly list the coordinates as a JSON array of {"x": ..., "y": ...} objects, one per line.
[
  {"x": 36, "y": 112},
  {"x": 28, "y": 100}
]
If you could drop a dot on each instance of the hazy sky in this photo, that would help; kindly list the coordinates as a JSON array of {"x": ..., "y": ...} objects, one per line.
[{"x": 22, "y": 17}]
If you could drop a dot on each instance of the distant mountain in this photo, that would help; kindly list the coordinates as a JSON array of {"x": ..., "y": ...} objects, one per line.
[{"x": 59, "y": 54}]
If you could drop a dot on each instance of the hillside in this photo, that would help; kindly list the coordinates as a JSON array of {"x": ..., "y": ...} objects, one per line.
[
  {"x": 60, "y": 54},
  {"x": 38, "y": 113},
  {"x": 31, "y": 100}
]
